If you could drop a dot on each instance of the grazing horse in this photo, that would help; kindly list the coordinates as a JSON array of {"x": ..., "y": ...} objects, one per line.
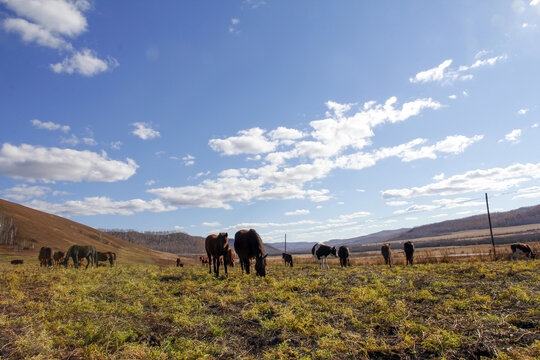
[
  {"x": 203, "y": 259},
  {"x": 45, "y": 256},
  {"x": 287, "y": 258},
  {"x": 58, "y": 256},
  {"x": 77, "y": 252},
  {"x": 229, "y": 257},
  {"x": 179, "y": 263},
  {"x": 105, "y": 256},
  {"x": 216, "y": 247},
  {"x": 344, "y": 256},
  {"x": 248, "y": 245},
  {"x": 321, "y": 251},
  {"x": 409, "y": 252},
  {"x": 522, "y": 248},
  {"x": 17, "y": 262},
  {"x": 387, "y": 254}
]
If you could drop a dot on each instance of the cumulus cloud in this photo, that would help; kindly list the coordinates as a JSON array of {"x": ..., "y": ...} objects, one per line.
[
  {"x": 522, "y": 111},
  {"x": 144, "y": 131},
  {"x": 211, "y": 224},
  {"x": 512, "y": 136},
  {"x": 444, "y": 74},
  {"x": 24, "y": 192},
  {"x": 250, "y": 141},
  {"x": 54, "y": 164},
  {"x": 495, "y": 179},
  {"x": 54, "y": 24},
  {"x": 49, "y": 125},
  {"x": 101, "y": 205},
  {"x": 84, "y": 62},
  {"x": 297, "y": 212}
]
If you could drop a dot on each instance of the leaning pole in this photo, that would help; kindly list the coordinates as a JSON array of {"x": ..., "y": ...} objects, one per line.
[{"x": 491, "y": 229}]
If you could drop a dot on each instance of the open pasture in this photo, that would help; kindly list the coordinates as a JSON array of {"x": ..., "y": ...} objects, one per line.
[{"x": 448, "y": 310}]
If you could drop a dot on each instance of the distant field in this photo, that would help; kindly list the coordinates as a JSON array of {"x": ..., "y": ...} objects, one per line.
[{"x": 455, "y": 310}]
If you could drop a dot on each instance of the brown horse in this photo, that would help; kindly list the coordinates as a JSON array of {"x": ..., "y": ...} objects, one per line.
[
  {"x": 45, "y": 256},
  {"x": 106, "y": 256},
  {"x": 77, "y": 252},
  {"x": 58, "y": 256},
  {"x": 387, "y": 254},
  {"x": 287, "y": 259},
  {"x": 216, "y": 246},
  {"x": 248, "y": 244},
  {"x": 229, "y": 258}
]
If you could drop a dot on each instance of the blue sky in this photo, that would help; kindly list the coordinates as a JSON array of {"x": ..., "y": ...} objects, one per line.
[{"x": 317, "y": 119}]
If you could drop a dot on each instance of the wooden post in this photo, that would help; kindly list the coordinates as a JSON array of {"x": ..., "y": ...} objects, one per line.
[{"x": 491, "y": 229}]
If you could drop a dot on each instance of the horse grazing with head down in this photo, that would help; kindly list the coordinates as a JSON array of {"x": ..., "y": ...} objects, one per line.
[
  {"x": 287, "y": 259},
  {"x": 409, "y": 252},
  {"x": 387, "y": 254},
  {"x": 248, "y": 245},
  {"x": 78, "y": 252},
  {"x": 344, "y": 256},
  {"x": 106, "y": 256},
  {"x": 45, "y": 256},
  {"x": 216, "y": 246}
]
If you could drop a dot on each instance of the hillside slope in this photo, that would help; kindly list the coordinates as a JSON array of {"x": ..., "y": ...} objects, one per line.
[{"x": 36, "y": 229}]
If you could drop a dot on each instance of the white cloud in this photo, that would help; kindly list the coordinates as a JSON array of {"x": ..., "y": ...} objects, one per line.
[
  {"x": 444, "y": 74},
  {"x": 177, "y": 227},
  {"x": 495, "y": 179},
  {"x": 24, "y": 192},
  {"x": 144, "y": 131},
  {"x": 188, "y": 160},
  {"x": 522, "y": 111},
  {"x": 33, "y": 33},
  {"x": 528, "y": 193},
  {"x": 513, "y": 136},
  {"x": 349, "y": 217},
  {"x": 397, "y": 203},
  {"x": 54, "y": 164},
  {"x": 89, "y": 141},
  {"x": 453, "y": 97},
  {"x": 439, "y": 177},
  {"x": 534, "y": 2},
  {"x": 49, "y": 125},
  {"x": 283, "y": 133},
  {"x": 150, "y": 182},
  {"x": 297, "y": 212},
  {"x": 72, "y": 140},
  {"x": 101, "y": 206},
  {"x": 534, "y": 126},
  {"x": 84, "y": 62},
  {"x": 416, "y": 208},
  {"x": 234, "y": 25},
  {"x": 211, "y": 224},
  {"x": 54, "y": 24},
  {"x": 116, "y": 145},
  {"x": 435, "y": 74},
  {"x": 250, "y": 141}
]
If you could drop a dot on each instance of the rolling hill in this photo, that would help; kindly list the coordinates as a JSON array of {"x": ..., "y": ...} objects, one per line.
[{"x": 36, "y": 229}]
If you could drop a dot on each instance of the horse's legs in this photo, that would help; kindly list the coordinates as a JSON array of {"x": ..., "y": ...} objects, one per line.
[
  {"x": 209, "y": 263},
  {"x": 246, "y": 265},
  {"x": 216, "y": 265}
]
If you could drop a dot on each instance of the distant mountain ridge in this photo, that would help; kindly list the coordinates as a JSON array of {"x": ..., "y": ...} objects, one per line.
[
  {"x": 517, "y": 217},
  {"x": 177, "y": 242}
]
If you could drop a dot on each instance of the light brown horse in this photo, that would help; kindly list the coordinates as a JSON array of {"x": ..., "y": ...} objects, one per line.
[{"x": 106, "y": 256}]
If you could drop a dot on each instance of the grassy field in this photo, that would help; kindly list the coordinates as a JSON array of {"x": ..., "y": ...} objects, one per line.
[{"x": 450, "y": 310}]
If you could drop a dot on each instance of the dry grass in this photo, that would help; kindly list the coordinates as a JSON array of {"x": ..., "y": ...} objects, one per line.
[{"x": 429, "y": 311}]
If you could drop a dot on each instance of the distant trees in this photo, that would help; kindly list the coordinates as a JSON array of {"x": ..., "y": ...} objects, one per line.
[
  {"x": 172, "y": 242},
  {"x": 8, "y": 231}
]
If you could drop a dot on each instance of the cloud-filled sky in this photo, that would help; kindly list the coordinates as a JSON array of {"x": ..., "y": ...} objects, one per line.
[{"x": 317, "y": 119}]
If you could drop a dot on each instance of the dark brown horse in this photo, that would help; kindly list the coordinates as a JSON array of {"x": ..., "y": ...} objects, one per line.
[
  {"x": 58, "y": 256},
  {"x": 248, "y": 245},
  {"x": 387, "y": 254},
  {"x": 229, "y": 258},
  {"x": 179, "y": 263},
  {"x": 287, "y": 259},
  {"x": 344, "y": 256},
  {"x": 106, "y": 256},
  {"x": 78, "y": 252},
  {"x": 216, "y": 247},
  {"x": 409, "y": 252},
  {"x": 45, "y": 256}
]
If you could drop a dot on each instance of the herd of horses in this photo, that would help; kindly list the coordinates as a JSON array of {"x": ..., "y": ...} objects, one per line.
[
  {"x": 247, "y": 245},
  {"x": 77, "y": 253}
]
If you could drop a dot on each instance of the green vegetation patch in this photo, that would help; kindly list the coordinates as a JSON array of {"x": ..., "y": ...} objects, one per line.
[{"x": 467, "y": 310}]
